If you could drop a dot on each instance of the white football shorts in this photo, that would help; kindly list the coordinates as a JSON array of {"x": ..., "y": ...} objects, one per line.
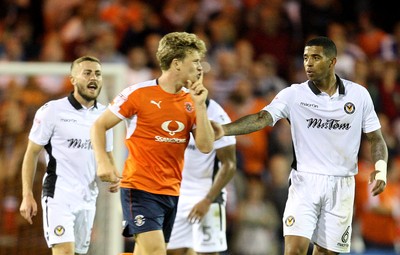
[
  {"x": 320, "y": 208},
  {"x": 66, "y": 222},
  {"x": 206, "y": 236}
]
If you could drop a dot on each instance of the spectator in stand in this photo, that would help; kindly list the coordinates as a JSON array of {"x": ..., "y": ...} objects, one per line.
[
  {"x": 179, "y": 15},
  {"x": 348, "y": 52},
  {"x": 24, "y": 20},
  {"x": 137, "y": 32},
  {"x": 151, "y": 45},
  {"x": 138, "y": 69},
  {"x": 105, "y": 46},
  {"x": 389, "y": 90},
  {"x": 226, "y": 77},
  {"x": 79, "y": 30},
  {"x": 209, "y": 8},
  {"x": 245, "y": 54},
  {"x": 221, "y": 39},
  {"x": 251, "y": 147},
  {"x": 373, "y": 70},
  {"x": 369, "y": 36},
  {"x": 13, "y": 115},
  {"x": 264, "y": 74},
  {"x": 316, "y": 15},
  {"x": 361, "y": 72},
  {"x": 256, "y": 222},
  {"x": 13, "y": 51},
  {"x": 389, "y": 135},
  {"x": 53, "y": 21},
  {"x": 121, "y": 14},
  {"x": 271, "y": 35},
  {"x": 53, "y": 51},
  {"x": 390, "y": 46}
]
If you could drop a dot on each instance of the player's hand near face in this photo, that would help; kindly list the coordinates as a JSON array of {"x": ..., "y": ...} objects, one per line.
[{"x": 197, "y": 90}]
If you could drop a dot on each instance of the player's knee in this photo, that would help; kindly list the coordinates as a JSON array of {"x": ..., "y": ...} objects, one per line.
[
  {"x": 63, "y": 249},
  {"x": 155, "y": 250},
  {"x": 318, "y": 250},
  {"x": 181, "y": 251},
  {"x": 295, "y": 245},
  {"x": 295, "y": 250}
]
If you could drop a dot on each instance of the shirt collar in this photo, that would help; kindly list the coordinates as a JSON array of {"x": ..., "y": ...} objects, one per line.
[
  {"x": 316, "y": 90},
  {"x": 75, "y": 102}
]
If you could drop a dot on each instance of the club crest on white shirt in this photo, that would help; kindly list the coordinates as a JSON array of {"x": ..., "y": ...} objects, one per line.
[{"x": 349, "y": 108}]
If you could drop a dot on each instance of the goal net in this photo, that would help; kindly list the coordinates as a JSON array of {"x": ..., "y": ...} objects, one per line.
[{"x": 16, "y": 235}]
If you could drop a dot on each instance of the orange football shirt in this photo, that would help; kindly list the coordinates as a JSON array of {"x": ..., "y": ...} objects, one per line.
[{"x": 158, "y": 130}]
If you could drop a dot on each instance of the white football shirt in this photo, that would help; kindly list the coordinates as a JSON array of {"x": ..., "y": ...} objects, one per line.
[
  {"x": 326, "y": 130},
  {"x": 200, "y": 168},
  {"x": 63, "y": 127}
]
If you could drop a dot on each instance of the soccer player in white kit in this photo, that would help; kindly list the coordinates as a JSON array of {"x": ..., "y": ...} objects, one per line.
[
  {"x": 200, "y": 223},
  {"x": 328, "y": 116},
  {"x": 62, "y": 128}
]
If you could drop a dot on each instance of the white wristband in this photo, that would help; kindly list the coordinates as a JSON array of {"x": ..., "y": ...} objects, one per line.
[{"x": 381, "y": 166}]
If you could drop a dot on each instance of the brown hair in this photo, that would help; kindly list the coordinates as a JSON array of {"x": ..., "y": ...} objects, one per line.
[
  {"x": 176, "y": 45},
  {"x": 82, "y": 59}
]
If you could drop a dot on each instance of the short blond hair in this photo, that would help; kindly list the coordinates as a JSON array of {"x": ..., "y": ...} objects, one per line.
[
  {"x": 176, "y": 45},
  {"x": 84, "y": 58}
]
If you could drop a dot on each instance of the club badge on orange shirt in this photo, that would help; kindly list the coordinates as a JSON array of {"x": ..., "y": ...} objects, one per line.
[{"x": 189, "y": 107}]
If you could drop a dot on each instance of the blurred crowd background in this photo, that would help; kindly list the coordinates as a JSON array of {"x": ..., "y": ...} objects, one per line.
[{"x": 255, "y": 50}]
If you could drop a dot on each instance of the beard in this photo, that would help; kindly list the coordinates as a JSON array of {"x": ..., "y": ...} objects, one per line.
[{"x": 85, "y": 94}]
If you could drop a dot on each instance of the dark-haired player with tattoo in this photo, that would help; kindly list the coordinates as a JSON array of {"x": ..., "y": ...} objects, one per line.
[{"x": 327, "y": 115}]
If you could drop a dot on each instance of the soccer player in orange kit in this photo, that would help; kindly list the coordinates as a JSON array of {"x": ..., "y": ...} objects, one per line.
[{"x": 159, "y": 115}]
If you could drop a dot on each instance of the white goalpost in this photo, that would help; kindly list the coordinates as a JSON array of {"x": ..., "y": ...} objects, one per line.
[{"x": 106, "y": 238}]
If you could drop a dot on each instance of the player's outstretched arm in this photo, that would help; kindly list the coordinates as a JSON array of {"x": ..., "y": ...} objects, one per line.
[{"x": 248, "y": 124}]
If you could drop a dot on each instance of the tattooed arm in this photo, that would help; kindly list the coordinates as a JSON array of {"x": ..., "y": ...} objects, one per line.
[
  {"x": 245, "y": 125},
  {"x": 379, "y": 153}
]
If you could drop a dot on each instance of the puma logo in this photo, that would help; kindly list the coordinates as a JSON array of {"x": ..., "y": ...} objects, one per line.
[{"x": 158, "y": 104}]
